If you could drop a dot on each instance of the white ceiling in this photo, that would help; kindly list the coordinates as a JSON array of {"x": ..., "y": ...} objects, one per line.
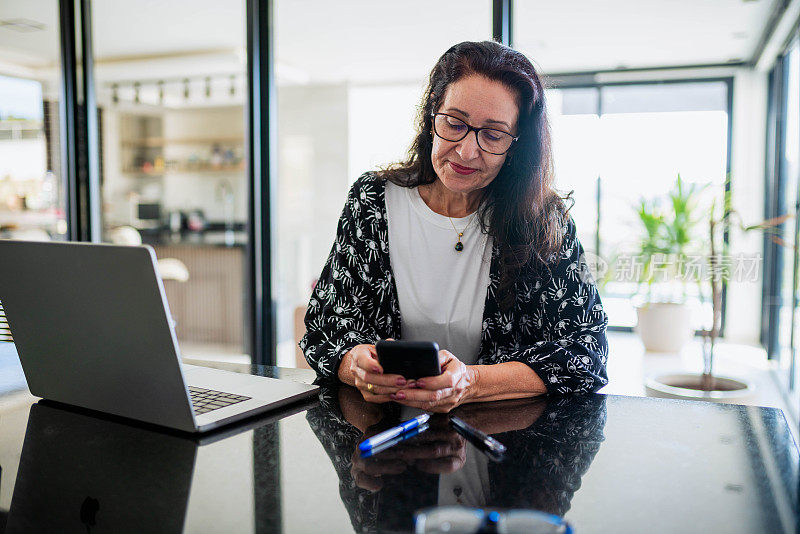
[
  {"x": 587, "y": 35},
  {"x": 364, "y": 41}
]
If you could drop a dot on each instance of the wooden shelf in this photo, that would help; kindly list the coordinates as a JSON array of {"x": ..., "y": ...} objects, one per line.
[
  {"x": 186, "y": 170},
  {"x": 156, "y": 142}
]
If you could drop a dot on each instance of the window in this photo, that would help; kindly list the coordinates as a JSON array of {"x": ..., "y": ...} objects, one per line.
[
  {"x": 32, "y": 204},
  {"x": 172, "y": 129},
  {"x": 616, "y": 144},
  {"x": 783, "y": 198},
  {"x": 32, "y": 192}
]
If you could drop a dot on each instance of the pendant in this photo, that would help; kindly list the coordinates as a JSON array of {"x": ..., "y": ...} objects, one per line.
[{"x": 459, "y": 246}]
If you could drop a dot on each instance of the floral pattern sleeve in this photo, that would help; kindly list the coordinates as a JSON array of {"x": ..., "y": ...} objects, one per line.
[
  {"x": 353, "y": 300},
  {"x": 561, "y": 331}
]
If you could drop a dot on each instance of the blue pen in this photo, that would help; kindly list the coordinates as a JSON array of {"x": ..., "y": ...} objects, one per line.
[
  {"x": 394, "y": 441},
  {"x": 386, "y": 435}
]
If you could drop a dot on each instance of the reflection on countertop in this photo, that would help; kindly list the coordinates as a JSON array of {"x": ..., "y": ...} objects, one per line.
[{"x": 607, "y": 463}]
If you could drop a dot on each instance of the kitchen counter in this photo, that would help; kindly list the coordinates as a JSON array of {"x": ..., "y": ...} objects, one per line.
[
  {"x": 208, "y": 306},
  {"x": 209, "y": 238},
  {"x": 607, "y": 463}
]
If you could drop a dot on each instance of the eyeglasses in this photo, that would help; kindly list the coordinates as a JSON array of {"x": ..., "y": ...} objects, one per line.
[
  {"x": 463, "y": 520},
  {"x": 453, "y": 129}
]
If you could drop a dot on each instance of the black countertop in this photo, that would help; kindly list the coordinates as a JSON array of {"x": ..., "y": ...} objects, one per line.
[{"x": 606, "y": 463}]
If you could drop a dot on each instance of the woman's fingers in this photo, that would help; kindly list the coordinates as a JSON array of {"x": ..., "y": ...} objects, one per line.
[
  {"x": 451, "y": 446},
  {"x": 372, "y": 397},
  {"x": 374, "y": 388},
  {"x": 367, "y": 482},
  {"x": 441, "y": 407},
  {"x": 369, "y": 378},
  {"x": 365, "y": 357},
  {"x": 379, "y": 466},
  {"x": 393, "y": 381},
  {"x": 423, "y": 395},
  {"x": 448, "y": 464},
  {"x": 452, "y": 369}
]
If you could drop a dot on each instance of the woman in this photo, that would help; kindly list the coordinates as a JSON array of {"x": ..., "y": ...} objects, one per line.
[{"x": 467, "y": 244}]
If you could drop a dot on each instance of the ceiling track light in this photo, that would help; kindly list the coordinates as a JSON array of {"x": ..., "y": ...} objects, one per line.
[{"x": 160, "y": 86}]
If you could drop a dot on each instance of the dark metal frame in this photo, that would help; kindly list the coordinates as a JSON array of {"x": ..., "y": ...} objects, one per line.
[
  {"x": 503, "y": 21},
  {"x": 775, "y": 191},
  {"x": 262, "y": 174},
  {"x": 776, "y": 181},
  {"x": 769, "y": 310},
  {"x": 78, "y": 119}
]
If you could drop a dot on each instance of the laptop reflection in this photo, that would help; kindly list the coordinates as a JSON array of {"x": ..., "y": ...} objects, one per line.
[{"x": 79, "y": 473}]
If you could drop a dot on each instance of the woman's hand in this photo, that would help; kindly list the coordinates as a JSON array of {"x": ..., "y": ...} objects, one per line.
[
  {"x": 358, "y": 412},
  {"x": 360, "y": 368},
  {"x": 440, "y": 393},
  {"x": 502, "y": 416}
]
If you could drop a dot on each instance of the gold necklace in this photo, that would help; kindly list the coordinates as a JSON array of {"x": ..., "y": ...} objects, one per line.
[{"x": 459, "y": 245}]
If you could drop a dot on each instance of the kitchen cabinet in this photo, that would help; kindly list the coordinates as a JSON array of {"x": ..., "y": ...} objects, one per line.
[{"x": 209, "y": 307}]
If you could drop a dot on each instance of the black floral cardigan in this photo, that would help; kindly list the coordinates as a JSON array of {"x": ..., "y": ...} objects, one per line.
[{"x": 557, "y": 325}]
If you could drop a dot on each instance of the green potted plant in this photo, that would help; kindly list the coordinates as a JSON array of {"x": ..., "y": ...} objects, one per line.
[
  {"x": 716, "y": 257},
  {"x": 669, "y": 231}
]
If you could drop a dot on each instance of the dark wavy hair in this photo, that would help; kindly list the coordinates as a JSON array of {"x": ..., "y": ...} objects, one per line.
[{"x": 520, "y": 209}]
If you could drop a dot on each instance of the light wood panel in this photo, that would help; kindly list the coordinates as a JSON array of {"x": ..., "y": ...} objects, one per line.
[{"x": 209, "y": 307}]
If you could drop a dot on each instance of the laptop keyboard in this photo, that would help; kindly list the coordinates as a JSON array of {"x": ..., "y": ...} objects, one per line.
[{"x": 207, "y": 400}]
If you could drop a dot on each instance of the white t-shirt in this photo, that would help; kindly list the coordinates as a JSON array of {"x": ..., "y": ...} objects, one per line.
[
  {"x": 469, "y": 485},
  {"x": 441, "y": 291}
]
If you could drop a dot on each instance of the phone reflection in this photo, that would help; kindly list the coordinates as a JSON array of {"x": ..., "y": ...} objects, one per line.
[
  {"x": 551, "y": 442},
  {"x": 79, "y": 473}
]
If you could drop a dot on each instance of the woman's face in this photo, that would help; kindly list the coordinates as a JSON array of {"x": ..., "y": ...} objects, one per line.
[{"x": 463, "y": 167}]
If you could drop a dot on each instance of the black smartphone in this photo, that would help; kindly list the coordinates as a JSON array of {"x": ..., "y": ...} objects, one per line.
[{"x": 410, "y": 359}]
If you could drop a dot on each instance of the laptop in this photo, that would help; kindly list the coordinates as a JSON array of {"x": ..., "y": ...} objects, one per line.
[{"x": 93, "y": 329}]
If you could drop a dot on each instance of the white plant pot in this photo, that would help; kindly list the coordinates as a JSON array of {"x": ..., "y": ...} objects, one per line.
[
  {"x": 663, "y": 326},
  {"x": 688, "y": 386}
]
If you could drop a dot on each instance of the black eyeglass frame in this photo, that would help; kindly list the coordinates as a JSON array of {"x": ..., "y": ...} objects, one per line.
[{"x": 471, "y": 128}]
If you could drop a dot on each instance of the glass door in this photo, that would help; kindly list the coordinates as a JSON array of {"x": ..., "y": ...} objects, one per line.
[
  {"x": 32, "y": 193},
  {"x": 171, "y": 91}
]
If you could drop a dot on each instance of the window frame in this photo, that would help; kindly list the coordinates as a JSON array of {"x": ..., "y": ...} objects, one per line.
[{"x": 776, "y": 180}]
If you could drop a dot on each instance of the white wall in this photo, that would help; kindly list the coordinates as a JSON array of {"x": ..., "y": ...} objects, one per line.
[
  {"x": 743, "y": 311},
  {"x": 313, "y": 181}
]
